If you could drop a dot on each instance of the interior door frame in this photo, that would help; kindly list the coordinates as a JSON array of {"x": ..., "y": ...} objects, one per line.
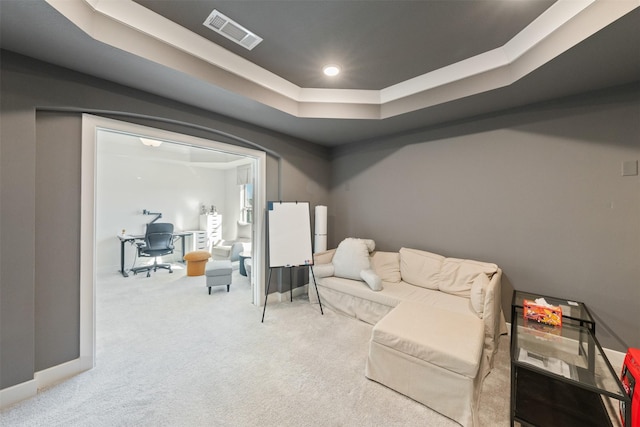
[{"x": 91, "y": 124}]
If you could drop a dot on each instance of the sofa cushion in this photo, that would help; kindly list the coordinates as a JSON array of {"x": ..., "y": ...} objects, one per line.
[
  {"x": 372, "y": 279},
  {"x": 403, "y": 291},
  {"x": 351, "y": 257},
  {"x": 323, "y": 270},
  {"x": 477, "y": 293},
  {"x": 420, "y": 268},
  {"x": 386, "y": 265},
  {"x": 457, "y": 275},
  {"x": 394, "y": 293},
  {"x": 359, "y": 289},
  {"x": 452, "y": 341}
]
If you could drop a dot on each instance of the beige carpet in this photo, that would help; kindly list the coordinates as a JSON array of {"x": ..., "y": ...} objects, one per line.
[{"x": 169, "y": 354}]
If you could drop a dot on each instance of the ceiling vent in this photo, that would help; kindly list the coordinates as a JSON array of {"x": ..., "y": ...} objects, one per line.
[{"x": 231, "y": 30}]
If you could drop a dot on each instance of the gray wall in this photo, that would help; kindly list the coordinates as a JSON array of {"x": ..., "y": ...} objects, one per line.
[
  {"x": 538, "y": 191},
  {"x": 57, "y": 240},
  {"x": 40, "y": 198}
]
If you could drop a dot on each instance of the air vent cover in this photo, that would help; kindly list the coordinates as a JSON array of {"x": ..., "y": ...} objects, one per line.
[{"x": 225, "y": 26}]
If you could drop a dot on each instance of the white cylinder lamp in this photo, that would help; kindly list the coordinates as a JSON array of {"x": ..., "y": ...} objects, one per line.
[{"x": 320, "y": 236}]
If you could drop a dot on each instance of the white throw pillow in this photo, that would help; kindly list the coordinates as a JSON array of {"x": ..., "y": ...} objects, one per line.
[
  {"x": 386, "y": 265},
  {"x": 323, "y": 270},
  {"x": 477, "y": 293},
  {"x": 244, "y": 230},
  {"x": 351, "y": 257},
  {"x": 372, "y": 279},
  {"x": 371, "y": 245}
]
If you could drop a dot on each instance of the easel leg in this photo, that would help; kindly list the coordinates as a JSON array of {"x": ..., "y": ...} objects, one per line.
[
  {"x": 266, "y": 296},
  {"x": 316, "y": 285}
]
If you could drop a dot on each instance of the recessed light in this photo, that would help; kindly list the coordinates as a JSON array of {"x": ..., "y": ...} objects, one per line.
[{"x": 331, "y": 70}]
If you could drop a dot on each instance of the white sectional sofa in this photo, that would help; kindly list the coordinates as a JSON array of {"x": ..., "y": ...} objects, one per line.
[{"x": 437, "y": 321}]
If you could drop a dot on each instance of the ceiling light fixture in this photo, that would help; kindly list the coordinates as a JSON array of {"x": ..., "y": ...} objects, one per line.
[
  {"x": 150, "y": 142},
  {"x": 331, "y": 70}
]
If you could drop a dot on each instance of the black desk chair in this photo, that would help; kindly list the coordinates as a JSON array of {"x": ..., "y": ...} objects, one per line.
[{"x": 158, "y": 241}]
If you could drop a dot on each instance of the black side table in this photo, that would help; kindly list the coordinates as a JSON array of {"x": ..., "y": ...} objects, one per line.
[{"x": 560, "y": 374}]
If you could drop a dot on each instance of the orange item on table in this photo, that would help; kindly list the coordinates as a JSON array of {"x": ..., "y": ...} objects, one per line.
[{"x": 550, "y": 315}]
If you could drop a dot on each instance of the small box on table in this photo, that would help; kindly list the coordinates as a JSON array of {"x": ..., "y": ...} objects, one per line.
[{"x": 548, "y": 314}]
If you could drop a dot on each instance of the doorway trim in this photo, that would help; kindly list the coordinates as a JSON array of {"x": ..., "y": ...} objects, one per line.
[{"x": 91, "y": 124}]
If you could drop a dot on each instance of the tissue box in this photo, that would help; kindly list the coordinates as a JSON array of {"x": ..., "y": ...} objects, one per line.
[{"x": 550, "y": 315}]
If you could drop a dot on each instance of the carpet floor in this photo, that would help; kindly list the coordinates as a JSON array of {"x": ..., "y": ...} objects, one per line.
[{"x": 169, "y": 354}]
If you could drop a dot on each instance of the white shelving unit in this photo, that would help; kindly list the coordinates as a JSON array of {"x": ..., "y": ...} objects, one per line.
[{"x": 211, "y": 224}]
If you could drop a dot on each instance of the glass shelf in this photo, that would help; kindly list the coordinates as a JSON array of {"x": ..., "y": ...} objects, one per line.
[
  {"x": 575, "y": 311},
  {"x": 570, "y": 353},
  {"x": 560, "y": 374}
]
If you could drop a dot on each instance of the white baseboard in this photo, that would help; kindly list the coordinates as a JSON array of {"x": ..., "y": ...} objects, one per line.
[
  {"x": 278, "y": 297},
  {"x": 58, "y": 373},
  {"x": 14, "y": 394},
  {"x": 41, "y": 379}
]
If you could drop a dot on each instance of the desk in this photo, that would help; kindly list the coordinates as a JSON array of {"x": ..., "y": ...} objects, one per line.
[{"x": 124, "y": 238}]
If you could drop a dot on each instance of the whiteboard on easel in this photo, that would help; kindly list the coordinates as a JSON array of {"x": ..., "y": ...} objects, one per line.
[{"x": 289, "y": 227}]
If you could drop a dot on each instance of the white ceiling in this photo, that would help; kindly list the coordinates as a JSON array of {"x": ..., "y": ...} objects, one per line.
[
  {"x": 407, "y": 65},
  {"x": 129, "y": 145}
]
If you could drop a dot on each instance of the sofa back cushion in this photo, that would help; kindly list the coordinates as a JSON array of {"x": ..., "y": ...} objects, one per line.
[
  {"x": 351, "y": 257},
  {"x": 386, "y": 265},
  {"x": 457, "y": 275},
  {"x": 420, "y": 268}
]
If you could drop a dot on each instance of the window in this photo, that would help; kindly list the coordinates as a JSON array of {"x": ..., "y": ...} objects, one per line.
[{"x": 246, "y": 203}]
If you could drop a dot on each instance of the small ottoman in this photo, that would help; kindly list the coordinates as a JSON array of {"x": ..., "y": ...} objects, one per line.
[
  {"x": 218, "y": 273},
  {"x": 196, "y": 261},
  {"x": 431, "y": 355}
]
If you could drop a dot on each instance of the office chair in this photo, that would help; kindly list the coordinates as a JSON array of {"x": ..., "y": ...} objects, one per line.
[{"x": 158, "y": 241}]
